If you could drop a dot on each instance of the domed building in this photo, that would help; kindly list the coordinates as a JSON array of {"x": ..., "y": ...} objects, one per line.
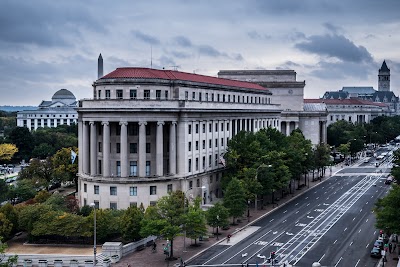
[{"x": 58, "y": 111}]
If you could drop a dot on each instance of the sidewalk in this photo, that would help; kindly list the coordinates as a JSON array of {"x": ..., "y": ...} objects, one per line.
[{"x": 147, "y": 258}]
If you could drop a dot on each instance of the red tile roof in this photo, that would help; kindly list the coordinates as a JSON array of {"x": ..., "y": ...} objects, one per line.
[
  {"x": 347, "y": 101},
  {"x": 177, "y": 75}
]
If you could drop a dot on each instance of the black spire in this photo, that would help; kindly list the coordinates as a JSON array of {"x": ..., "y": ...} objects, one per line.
[{"x": 384, "y": 67}]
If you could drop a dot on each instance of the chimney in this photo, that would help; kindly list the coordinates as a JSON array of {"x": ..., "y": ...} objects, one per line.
[{"x": 100, "y": 67}]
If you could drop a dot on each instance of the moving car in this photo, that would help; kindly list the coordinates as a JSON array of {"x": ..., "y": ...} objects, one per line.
[{"x": 375, "y": 252}]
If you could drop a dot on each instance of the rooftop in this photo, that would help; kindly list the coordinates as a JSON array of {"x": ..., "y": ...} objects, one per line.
[{"x": 140, "y": 73}]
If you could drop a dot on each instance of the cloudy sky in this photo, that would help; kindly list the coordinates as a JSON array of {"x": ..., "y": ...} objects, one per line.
[{"x": 46, "y": 45}]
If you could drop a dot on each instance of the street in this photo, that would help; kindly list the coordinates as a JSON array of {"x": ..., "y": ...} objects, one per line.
[{"x": 332, "y": 223}]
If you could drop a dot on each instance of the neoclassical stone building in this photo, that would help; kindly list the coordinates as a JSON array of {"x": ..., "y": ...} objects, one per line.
[
  {"x": 147, "y": 132},
  {"x": 58, "y": 111}
]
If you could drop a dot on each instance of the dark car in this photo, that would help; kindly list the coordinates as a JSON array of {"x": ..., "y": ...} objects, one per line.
[{"x": 375, "y": 252}]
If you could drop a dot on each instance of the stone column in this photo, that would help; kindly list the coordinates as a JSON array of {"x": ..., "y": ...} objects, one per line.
[
  {"x": 93, "y": 148},
  {"x": 230, "y": 129},
  {"x": 124, "y": 149},
  {"x": 159, "y": 149},
  {"x": 142, "y": 149},
  {"x": 324, "y": 135},
  {"x": 296, "y": 125},
  {"x": 181, "y": 148},
  {"x": 106, "y": 148},
  {"x": 36, "y": 123},
  {"x": 240, "y": 125},
  {"x": 172, "y": 148},
  {"x": 85, "y": 150},
  {"x": 245, "y": 125},
  {"x": 80, "y": 146},
  {"x": 287, "y": 128}
]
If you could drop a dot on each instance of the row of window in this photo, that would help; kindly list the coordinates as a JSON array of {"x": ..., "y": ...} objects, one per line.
[
  {"x": 204, "y": 144},
  {"x": 133, "y": 168},
  {"x": 210, "y": 126},
  {"x": 133, "y": 147},
  {"x": 217, "y": 160},
  {"x": 132, "y": 190},
  {"x": 212, "y": 97},
  {"x": 48, "y": 116},
  {"x": 196, "y": 96}
]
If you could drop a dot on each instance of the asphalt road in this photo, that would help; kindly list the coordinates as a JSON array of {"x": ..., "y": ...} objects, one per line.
[{"x": 332, "y": 223}]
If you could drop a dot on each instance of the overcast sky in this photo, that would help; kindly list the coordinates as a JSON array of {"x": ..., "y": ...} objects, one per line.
[{"x": 46, "y": 45}]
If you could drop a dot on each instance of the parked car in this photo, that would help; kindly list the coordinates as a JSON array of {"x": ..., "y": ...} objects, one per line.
[
  {"x": 375, "y": 252},
  {"x": 379, "y": 244}
]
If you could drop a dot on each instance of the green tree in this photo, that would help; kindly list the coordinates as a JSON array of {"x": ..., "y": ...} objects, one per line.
[
  {"x": 42, "y": 196},
  {"x": 217, "y": 216},
  {"x": 39, "y": 172},
  {"x": 30, "y": 214},
  {"x": 5, "y": 226},
  {"x": 107, "y": 223},
  {"x": 11, "y": 214},
  {"x": 11, "y": 261},
  {"x": 235, "y": 199},
  {"x": 195, "y": 221},
  {"x": 166, "y": 218},
  {"x": 22, "y": 138},
  {"x": 22, "y": 191},
  {"x": 64, "y": 170},
  {"x": 4, "y": 188},
  {"x": 130, "y": 224},
  {"x": 395, "y": 172},
  {"x": 387, "y": 211}
]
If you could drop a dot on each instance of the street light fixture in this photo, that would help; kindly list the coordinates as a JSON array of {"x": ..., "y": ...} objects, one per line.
[
  {"x": 261, "y": 166},
  {"x": 184, "y": 210},
  {"x": 93, "y": 205}
]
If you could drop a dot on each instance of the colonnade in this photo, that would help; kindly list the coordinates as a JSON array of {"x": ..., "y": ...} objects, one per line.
[{"x": 92, "y": 144}]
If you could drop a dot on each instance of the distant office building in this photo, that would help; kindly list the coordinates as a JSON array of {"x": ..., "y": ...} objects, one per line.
[
  {"x": 60, "y": 110},
  {"x": 382, "y": 95}
]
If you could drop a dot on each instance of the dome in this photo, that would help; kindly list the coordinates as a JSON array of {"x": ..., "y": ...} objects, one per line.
[{"x": 63, "y": 94}]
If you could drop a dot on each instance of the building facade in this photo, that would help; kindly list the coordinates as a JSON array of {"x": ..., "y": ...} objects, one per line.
[
  {"x": 289, "y": 93},
  {"x": 59, "y": 111},
  {"x": 147, "y": 132},
  {"x": 353, "y": 110}
]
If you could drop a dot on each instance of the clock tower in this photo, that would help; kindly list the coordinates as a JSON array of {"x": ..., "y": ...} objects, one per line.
[{"x": 384, "y": 78}]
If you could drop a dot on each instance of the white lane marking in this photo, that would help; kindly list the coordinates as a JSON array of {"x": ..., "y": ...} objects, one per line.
[
  {"x": 360, "y": 210},
  {"x": 285, "y": 211},
  {"x": 297, "y": 204},
  {"x": 323, "y": 187},
  {"x": 359, "y": 231},
  {"x": 316, "y": 197},
  {"x": 335, "y": 241},
  {"x": 366, "y": 203},
  {"x": 283, "y": 221},
  {"x": 367, "y": 246},
  {"x": 306, "y": 198},
  {"x": 308, "y": 204},
  {"x": 367, "y": 221},
  {"x": 354, "y": 218},
  {"x": 297, "y": 221},
  {"x": 271, "y": 220},
  {"x": 374, "y": 232},
  {"x": 357, "y": 263},
  {"x": 372, "y": 196},
  {"x": 345, "y": 229},
  {"x": 321, "y": 258},
  {"x": 338, "y": 261},
  {"x": 296, "y": 212},
  {"x": 351, "y": 243}
]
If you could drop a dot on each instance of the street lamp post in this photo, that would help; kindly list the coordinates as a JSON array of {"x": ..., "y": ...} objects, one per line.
[
  {"x": 261, "y": 166},
  {"x": 184, "y": 211},
  {"x": 94, "y": 233},
  {"x": 248, "y": 210},
  {"x": 217, "y": 226}
]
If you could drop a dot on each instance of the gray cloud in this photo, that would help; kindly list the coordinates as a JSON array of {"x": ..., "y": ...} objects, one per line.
[
  {"x": 335, "y": 46},
  {"x": 209, "y": 51},
  {"x": 183, "y": 41},
  {"x": 332, "y": 28},
  {"x": 146, "y": 38},
  {"x": 180, "y": 54},
  {"x": 342, "y": 70},
  {"x": 45, "y": 23},
  {"x": 257, "y": 36}
]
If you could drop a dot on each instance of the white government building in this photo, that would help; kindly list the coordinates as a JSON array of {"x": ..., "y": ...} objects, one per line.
[
  {"x": 60, "y": 110},
  {"x": 147, "y": 132}
]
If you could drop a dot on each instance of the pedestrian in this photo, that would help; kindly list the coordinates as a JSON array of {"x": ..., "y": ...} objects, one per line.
[
  {"x": 390, "y": 247},
  {"x": 228, "y": 238}
]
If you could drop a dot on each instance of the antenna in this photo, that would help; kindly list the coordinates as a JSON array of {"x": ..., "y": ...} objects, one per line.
[{"x": 151, "y": 57}]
